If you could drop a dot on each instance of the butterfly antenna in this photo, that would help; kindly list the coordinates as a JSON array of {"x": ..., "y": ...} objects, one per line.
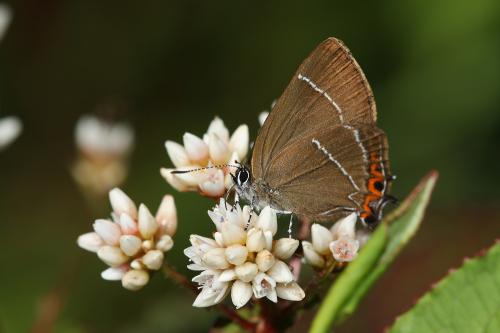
[{"x": 220, "y": 166}]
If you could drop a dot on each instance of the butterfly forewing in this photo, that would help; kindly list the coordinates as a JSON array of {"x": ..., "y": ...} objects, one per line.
[
  {"x": 326, "y": 178},
  {"x": 329, "y": 88}
]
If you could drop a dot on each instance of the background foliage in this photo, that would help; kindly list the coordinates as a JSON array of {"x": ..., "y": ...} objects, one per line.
[{"x": 171, "y": 66}]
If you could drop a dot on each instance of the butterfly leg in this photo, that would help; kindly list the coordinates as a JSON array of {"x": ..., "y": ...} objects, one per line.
[
  {"x": 249, "y": 218},
  {"x": 290, "y": 225}
]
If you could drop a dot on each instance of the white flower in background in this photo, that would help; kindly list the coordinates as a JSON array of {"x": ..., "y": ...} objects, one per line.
[
  {"x": 5, "y": 19},
  {"x": 262, "y": 117},
  {"x": 242, "y": 258},
  {"x": 103, "y": 154},
  {"x": 133, "y": 242},
  {"x": 10, "y": 128},
  {"x": 338, "y": 243},
  {"x": 216, "y": 147}
]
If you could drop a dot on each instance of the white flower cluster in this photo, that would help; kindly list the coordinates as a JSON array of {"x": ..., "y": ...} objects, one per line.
[
  {"x": 338, "y": 243},
  {"x": 104, "y": 148},
  {"x": 216, "y": 147},
  {"x": 133, "y": 242},
  {"x": 242, "y": 258}
]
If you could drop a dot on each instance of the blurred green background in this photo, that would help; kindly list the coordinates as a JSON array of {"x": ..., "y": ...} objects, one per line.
[{"x": 434, "y": 67}]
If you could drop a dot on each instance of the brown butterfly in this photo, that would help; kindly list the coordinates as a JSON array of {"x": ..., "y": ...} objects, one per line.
[{"x": 319, "y": 154}]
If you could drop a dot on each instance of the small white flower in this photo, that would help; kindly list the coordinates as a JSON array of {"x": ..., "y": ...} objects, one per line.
[
  {"x": 264, "y": 286},
  {"x": 103, "y": 151},
  {"x": 213, "y": 289},
  {"x": 10, "y": 127},
  {"x": 96, "y": 136},
  {"x": 216, "y": 147},
  {"x": 5, "y": 19},
  {"x": 133, "y": 242},
  {"x": 339, "y": 243},
  {"x": 242, "y": 258}
]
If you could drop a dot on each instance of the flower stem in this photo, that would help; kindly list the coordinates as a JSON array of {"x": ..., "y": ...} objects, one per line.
[
  {"x": 180, "y": 279},
  {"x": 235, "y": 316}
]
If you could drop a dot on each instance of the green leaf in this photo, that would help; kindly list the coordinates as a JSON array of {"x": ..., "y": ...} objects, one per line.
[
  {"x": 467, "y": 300},
  {"x": 348, "y": 281},
  {"x": 375, "y": 257},
  {"x": 403, "y": 224}
]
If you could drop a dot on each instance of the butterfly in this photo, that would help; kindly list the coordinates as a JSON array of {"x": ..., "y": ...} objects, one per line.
[{"x": 319, "y": 154}]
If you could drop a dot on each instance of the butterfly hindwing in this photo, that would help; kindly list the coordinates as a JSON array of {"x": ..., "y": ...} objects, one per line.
[{"x": 327, "y": 176}]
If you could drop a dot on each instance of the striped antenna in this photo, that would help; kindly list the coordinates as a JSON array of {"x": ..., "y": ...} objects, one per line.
[{"x": 220, "y": 166}]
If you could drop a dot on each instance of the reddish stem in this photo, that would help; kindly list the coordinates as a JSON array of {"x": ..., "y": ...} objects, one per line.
[{"x": 303, "y": 233}]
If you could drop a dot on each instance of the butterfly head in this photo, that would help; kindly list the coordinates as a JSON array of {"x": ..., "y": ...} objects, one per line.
[{"x": 242, "y": 176}]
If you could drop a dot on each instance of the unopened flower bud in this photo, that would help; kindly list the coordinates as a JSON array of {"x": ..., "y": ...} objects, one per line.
[
  {"x": 241, "y": 292},
  {"x": 256, "y": 241},
  {"x": 233, "y": 234},
  {"x": 113, "y": 273},
  {"x": 246, "y": 272},
  {"x": 177, "y": 154},
  {"x": 219, "y": 151},
  {"x": 167, "y": 215},
  {"x": 215, "y": 258},
  {"x": 290, "y": 291},
  {"x": 135, "y": 279},
  {"x": 147, "y": 245},
  {"x": 165, "y": 243},
  {"x": 147, "y": 223},
  {"x": 345, "y": 227},
  {"x": 127, "y": 225},
  {"x": 240, "y": 141},
  {"x": 236, "y": 254},
  {"x": 227, "y": 275},
  {"x": 284, "y": 248},
  {"x": 90, "y": 241},
  {"x": 196, "y": 148},
  {"x": 263, "y": 117},
  {"x": 130, "y": 244},
  {"x": 137, "y": 264},
  {"x": 267, "y": 220},
  {"x": 109, "y": 231},
  {"x": 112, "y": 255},
  {"x": 264, "y": 260},
  {"x": 153, "y": 259},
  {"x": 121, "y": 203},
  {"x": 312, "y": 257},
  {"x": 321, "y": 238},
  {"x": 217, "y": 127},
  {"x": 280, "y": 272}
]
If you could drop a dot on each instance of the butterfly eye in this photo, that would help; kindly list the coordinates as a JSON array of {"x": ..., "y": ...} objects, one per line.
[{"x": 243, "y": 176}]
